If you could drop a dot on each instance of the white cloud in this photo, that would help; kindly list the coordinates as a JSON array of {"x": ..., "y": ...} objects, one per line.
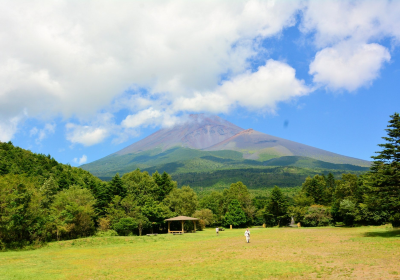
[
  {"x": 272, "y": 83},
  {"x": 73, "y": 59},
  {"x": 42, "y": 133},
  {"x": 347, "y": 33},
  {"x": 85, "y": 135},
  {"x": 63, "y": 58},
  {"x": 148, "y": 117},
  {"x": 336, "y": 21},
  {"x": 8, "y": 128},
  {"x": 81, "y": 160},
  {"x": 348, "y": 66}
]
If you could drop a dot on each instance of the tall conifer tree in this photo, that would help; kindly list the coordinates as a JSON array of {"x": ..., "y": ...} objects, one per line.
[{"x": 385, "y": 172}]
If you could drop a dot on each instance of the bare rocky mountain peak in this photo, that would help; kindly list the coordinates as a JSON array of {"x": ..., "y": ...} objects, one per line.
[
  {"x": 212, "y": 133},
  {"x": 198, "y": 132}
]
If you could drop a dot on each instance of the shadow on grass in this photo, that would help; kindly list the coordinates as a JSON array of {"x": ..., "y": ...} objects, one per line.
[{"x": 389, "y": 233}]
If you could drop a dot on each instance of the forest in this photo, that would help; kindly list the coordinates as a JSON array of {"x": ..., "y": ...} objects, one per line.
[{"x": 42, "y": 200}]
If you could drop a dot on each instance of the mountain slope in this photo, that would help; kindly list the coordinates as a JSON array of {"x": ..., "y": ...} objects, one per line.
[
  {"x": 207, "y": 144},
  {"x": 198, "y": 133},
  {"x": 257, "y": 145}
]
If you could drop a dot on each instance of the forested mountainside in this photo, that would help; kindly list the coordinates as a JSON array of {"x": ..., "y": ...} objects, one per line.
[
  {"x": 211, "y": 144},
  {"x": 39, "y": 168}
]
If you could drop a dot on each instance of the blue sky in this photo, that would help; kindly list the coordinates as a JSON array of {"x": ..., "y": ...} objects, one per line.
[{"x": 80, "y": 81}]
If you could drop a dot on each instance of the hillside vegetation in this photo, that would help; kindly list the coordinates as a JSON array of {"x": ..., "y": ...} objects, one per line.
[
  {"x": 42, "y": 200},
  {"x": 206, "y": 168}
]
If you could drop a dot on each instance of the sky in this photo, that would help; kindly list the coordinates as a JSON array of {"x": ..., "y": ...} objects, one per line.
[{"x": 80, "y": 80}]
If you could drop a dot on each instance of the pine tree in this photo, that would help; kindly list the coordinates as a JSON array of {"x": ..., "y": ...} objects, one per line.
[
  {"x": 116, "y": 187},
  {"x": 385, "y": 173},
  {"x": 235, "y": 215},
  {"x": 278, "y": 206}
]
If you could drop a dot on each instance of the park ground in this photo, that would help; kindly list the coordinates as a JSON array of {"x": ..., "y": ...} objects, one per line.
[{"x": 274, "y": 253}]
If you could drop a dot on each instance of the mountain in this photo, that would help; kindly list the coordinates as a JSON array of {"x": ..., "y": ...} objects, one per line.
[
  {"x": 256, "y": 145},
  {"x": 198, "y": 132},
  {"x": 205, "y": 145}
]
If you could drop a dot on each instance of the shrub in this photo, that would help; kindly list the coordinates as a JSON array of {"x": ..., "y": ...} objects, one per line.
[
  {"x": 106, "y": 233},
  {"x": 317, "y": 216},
  {"x": 126, "y": 226},
  {"x": 104, "y": 224}
]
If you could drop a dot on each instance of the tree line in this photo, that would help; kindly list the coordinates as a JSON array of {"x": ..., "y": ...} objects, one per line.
[{"x": 42, "y": 200}]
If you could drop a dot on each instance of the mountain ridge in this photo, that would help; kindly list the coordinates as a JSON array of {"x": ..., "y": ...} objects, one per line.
[{"x": 209, "y": 143}]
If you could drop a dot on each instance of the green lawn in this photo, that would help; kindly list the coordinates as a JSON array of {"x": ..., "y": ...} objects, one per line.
[{"x": 303, "y": 253}]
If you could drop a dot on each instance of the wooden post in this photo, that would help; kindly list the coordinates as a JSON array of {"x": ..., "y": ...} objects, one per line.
[
  {"x": 231, "y": 226},
  {"x": 183, "y": 231},
  {"x": 194, "y": 222},
  {"x": 264, "y": 225},
  {"x": 169, "y": 229}
]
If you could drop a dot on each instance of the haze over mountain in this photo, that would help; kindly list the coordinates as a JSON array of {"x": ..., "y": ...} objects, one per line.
[{"x": 209, "y": 143}]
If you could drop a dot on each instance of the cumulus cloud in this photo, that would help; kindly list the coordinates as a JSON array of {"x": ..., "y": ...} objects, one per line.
[
  {"x": 161, "y": 59},
  {"x": 334, "y": 21},
  {"x": 81, "y": 160},
  {"x": 272, "y": 83},
  {"x": 148, "y": 117},
  {"x": 75, "y": 58},
  {"x": 348, "y": 66},
  {"x": 345, "y": 32},
  {"x": 8, "y": 128},
  {"x": 85, "y": 135}
]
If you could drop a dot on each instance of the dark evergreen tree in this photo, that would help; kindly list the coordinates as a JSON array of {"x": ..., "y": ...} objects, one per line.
[
  {"x": 235, "y": 215},
  {"x": 330, "y": 181},
  {"x": 315, "y": 188},
  {"x": 385, "y": 173},
  {"x": 277, "y": 207},
  {"x": 116, "y": 187},
  {"x": 164, "y": 183}
]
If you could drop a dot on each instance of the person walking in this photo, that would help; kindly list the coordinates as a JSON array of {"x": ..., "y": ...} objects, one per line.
[
  {"x": 247, "y": 234},
  {"x": 217, "y": 231}
]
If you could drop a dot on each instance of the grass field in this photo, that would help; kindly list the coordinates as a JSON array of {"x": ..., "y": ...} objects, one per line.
[{"x": 274, "y": 253}]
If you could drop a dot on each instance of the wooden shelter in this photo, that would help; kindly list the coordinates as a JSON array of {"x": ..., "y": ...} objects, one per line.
[{"x": 181, "y": 219}]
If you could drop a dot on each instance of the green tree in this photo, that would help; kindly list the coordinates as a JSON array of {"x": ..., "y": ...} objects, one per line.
[
  {"x": 141, "y": 185},
  {"x": 239, "y": 192},
  {"x": 385, "y": 173},
  {"x": 205, "y": 215},
  {"x": 182, "y": 201},
  {"x": 278, "y": 207},
  {"x": 315, "y": 188},
  {"x": 48, "y": 190},
  {"x": 14, "y": 210},
  {"x": 235, "y": 215},
  {"x": 214, "y": 201},
  {"x": 317, "y": 215},
  {"x": 126, "y": 226},
  {"x": 116, "y": 186},
  {"x": 301, "y": 203},
  {"x": 73, "y": 212},
  {"x": 164, "y": 183}
]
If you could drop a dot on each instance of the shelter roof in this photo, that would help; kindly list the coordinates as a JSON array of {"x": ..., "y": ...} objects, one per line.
[{"x": 182, "y": 218}]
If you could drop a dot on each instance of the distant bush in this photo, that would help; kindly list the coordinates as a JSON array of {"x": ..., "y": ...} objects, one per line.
[
  {"x": 106, "y": 233},
  {"x": 126, "y": 226},
  {"x": 317, "y": 216},
  {"x": 104, "y": 224}
]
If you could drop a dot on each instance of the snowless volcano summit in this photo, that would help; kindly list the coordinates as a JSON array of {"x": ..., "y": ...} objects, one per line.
[
  {"x": 212, "y": 133},
  {"x": 208, "y": 143},
  {"x": 198, "y": 132}
]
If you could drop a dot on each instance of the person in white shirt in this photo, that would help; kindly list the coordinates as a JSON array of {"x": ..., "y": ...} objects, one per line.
[
  {"x": 247, "y": 234},
  {"x": 217, "y": 231}
]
